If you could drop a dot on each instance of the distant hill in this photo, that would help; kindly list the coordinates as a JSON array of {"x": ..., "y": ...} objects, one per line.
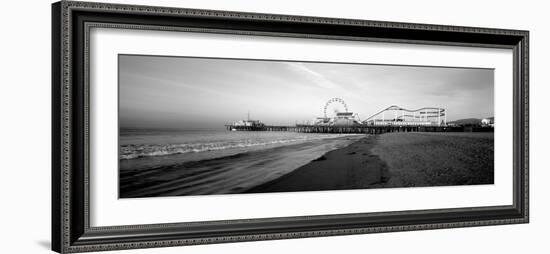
[{"x": 467, "y": 121}]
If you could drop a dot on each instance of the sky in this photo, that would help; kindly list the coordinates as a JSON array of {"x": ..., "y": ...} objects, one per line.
[{"x": 207, "y": 93}]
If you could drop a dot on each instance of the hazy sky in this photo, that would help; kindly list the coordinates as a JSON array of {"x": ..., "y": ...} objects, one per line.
[{"x": 192, "y": 93}]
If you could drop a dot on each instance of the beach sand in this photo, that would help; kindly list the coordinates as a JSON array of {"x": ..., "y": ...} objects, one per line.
[
  {"x": 351, "y": 167},
  {"x": 437, "y": 159},
  {"x": 395, "y": 160}
]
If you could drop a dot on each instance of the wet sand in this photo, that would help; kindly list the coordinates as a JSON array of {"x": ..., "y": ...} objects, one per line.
[
  {"x": 395, "y": 160},
  {"x": 351, "y": 167}
]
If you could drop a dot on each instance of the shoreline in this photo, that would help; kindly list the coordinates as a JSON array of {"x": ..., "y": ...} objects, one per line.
[
  {"x": 230, "y": 174},
  {"x": 390, "y": 160},
  {"x": 350, "y": 167}
]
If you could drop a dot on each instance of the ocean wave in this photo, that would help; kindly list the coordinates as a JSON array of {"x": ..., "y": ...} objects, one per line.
[{"x": 134, "y": 151}]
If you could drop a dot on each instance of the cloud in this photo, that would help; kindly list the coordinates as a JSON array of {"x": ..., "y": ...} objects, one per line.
[{"x": 316, "y": 78}]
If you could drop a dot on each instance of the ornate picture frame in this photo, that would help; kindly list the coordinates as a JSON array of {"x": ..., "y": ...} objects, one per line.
[{"x": 71, "y": 24}]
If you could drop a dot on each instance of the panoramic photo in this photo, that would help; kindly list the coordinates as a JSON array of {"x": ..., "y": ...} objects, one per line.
[{"x": 210, "y": 126}]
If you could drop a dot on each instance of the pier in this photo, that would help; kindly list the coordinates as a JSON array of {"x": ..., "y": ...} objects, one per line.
[
  {"x": 390, "y": 119},
  {"x": 359, "y": 129}
]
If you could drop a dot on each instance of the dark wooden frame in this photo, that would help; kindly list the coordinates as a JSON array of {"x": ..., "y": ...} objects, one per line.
[{"x": 71, "y": 22}]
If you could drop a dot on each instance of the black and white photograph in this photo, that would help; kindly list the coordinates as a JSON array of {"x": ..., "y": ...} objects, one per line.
[
  {"x": 230, "y": 126},
  {"x": 210, "y": 126}
]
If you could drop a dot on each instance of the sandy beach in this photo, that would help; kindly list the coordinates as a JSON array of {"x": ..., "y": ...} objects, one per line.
[
  {"x": 388, "y": 160},
  {"x": 395, "y": 160},
  {"x": 437, "y": 159}
]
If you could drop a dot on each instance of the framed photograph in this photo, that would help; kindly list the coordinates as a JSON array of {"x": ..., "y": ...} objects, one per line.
[{"x": 182, "y": 126}]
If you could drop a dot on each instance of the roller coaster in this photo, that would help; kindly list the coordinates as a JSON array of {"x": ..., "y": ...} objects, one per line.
[
  {"x": 336, "y": 113},
  {"x": 398, "y": 116}
]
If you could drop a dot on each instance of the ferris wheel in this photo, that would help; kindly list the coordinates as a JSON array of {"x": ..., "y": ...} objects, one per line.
[{"x": 335, "y": 105}]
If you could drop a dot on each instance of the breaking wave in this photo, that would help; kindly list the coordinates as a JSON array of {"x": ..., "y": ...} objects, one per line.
[{"x": 133, "y": 151}]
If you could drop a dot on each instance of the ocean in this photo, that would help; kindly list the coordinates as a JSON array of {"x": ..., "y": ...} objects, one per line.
[{"x": 157, "y": 162}]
